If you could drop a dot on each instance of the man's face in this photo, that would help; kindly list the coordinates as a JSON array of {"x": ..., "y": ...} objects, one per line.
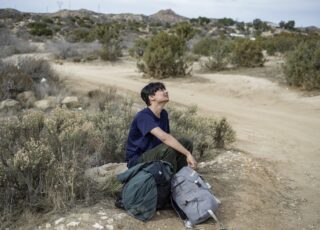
[{"x": 160, "y": 95}]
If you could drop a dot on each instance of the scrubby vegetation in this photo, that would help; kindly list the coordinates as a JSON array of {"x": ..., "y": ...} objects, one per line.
[
  {"x": 219, "y": 54},
  {"x": 10, "y": 44},
  {"x": 28, "y": 74},
  {"x": 74, "y": 51},
  {"x": 165, "y": 56},
  {"x": 302, "y": 66},
  {"x": 44, "y": 156},
  {"x": 247, "y": 53},
  {"x": 214, "y": 133}
]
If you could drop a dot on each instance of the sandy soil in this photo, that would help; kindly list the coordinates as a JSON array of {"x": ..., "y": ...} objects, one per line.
[{"x": 273, "y": 124}]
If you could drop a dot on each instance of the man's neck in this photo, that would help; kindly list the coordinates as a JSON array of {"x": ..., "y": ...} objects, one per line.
[{"x": 156, "y": 109}]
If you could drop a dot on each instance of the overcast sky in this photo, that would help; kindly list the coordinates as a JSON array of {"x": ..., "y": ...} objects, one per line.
[{"x": 305, "y": 13}]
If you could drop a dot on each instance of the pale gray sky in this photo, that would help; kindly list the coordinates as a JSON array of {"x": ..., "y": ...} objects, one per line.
[{"x": 305, "y": 13}]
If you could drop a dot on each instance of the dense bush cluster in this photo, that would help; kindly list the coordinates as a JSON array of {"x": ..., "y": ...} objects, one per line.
[
  {"x": 108, "y": 35},
  {"x": 40, "y": 29},
  {"x": 74, "y": 51},
  {"x": 44, "y": 156},
  {"x": 247, "y": 53},
  {"x": 10, "y": 44},
  {"x": 221, "y": 52},
  {"x": 219, "y": 55},
  {"x": 206, "y": 133},
  {"x": 280, "y": 43},
  {"x": 28, "y": 74},
  {"x": 302, "y": 65},
  {"x": 165, "y": 56}
]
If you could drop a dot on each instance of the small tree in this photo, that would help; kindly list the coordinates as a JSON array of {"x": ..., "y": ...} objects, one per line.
[
  {"x": 165, "y": 56},
  {"x": 184, "y": 30},
  {"x": 302, "y": 66},
  {"x": 204, "y": 46},
  {"x": 219, "y": 55},
  {"x": 138, "y": 48},
  {"x": 108, "y": 35},
  {"x": 247, "y": 53}
]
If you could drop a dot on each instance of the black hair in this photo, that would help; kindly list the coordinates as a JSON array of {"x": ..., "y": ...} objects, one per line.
[{"x": 150, "y": 90}]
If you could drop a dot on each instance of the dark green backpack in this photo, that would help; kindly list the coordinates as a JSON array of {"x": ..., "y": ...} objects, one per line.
[{"x": 146, "y": 189}]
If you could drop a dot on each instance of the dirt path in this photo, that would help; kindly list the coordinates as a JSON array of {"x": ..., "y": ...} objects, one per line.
[{"x": 272, "y": 122}]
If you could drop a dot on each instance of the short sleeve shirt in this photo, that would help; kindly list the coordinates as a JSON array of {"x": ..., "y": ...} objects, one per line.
[{"x": 140, "y": 139}]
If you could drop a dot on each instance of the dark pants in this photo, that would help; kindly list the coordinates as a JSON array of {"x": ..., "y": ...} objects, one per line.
[{"x": 166, "y": 153}]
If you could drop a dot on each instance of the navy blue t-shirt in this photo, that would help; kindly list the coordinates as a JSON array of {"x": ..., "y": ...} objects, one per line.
[{"x": 140, "y": 139}]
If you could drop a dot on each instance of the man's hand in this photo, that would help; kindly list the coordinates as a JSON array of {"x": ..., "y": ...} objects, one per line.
[{"x": 191, "y": 161}]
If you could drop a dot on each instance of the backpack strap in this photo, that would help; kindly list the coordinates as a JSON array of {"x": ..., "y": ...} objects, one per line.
[{"x": 211, "y": 213}]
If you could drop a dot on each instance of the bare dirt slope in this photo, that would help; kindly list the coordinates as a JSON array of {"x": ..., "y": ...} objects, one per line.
[{"x": 273, "y": 124}]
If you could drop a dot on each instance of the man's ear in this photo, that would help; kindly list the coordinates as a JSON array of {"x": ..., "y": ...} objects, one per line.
[{"x": 151, "y": 98}]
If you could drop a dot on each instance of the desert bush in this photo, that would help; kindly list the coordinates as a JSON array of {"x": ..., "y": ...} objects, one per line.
[
  {"x": 79, "y": 35},
  {"x": 45, "y": 80},
  {"x": 10, "y": 44},
  {"x": 13, "y": 81},
  {"x": 302, "y": 66},
  {"x": 206, "y": 133},
  {"x": 247, "y": 53},
  {"x": 108, "y": 35},
  {"x": 65, "y": 50},
  {"x": 184, "y": 30},
  {"x": 39, "y": 29},
  {"x": 43, "y": 160},
  {"x": 203, "y": 47},
  {"x": 280, "y": 43},
  {"x": 287, "y": 25},
  {"x": 113, "y": 125},
  {"x": 138, "y": 48},
  {"x": 165, "y": 56},
  {"x": 200, "y": 20},
  {"x": 28, "y": 74},
  {"x": 219, "y": 55},
  {"x": 259, "y": 26}
]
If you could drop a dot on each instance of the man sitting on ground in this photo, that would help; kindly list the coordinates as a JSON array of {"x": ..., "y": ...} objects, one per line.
[{"x": 149, "y": 136}]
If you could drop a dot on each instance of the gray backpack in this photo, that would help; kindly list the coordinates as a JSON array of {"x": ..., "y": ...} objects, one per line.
[{"x": 192, "y": 198}]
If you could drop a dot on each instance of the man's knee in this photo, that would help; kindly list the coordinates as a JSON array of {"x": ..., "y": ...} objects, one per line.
[{"x": 187, "y": 143}]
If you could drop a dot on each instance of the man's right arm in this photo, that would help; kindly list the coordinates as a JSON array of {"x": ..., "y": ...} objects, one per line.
[{"x": 169, "y": 140}]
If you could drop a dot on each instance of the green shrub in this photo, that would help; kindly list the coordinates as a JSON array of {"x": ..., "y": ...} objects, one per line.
[
  {"x": 247, "y": 53},
  {"x": 280, "y": 43},
  {"x": 222, "y": 22},
  {"x": 219, "y": 55},
  {"x": 113, "y": 125},
  {"x": 138, "y": 48},
  {"x": 38, "y": 70},
  {"x": 184, "y": 30},
  {"x": 80, "y": 35},
  {"x": 39, "y": 29},
  {"x": 206, "y": 133},
  {"x": 165, "y": 56},
  {"x": 13, "y": 81},
  {"x": 302, "y": 66},
  {"x": 108, "y": 35},
  {"x": 204, "y": 46},
  {"x": 43, "y": 160}
]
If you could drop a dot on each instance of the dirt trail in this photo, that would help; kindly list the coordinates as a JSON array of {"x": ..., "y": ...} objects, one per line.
[{"x": 272, "y": 122}]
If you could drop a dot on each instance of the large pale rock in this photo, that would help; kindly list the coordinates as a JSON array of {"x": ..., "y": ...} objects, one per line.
[
  {"x": 102, "y": 173},
  {"x": 10, "y": 105},
  {"x": 71, "y": 102},
  {"x": 43, "y": 104},
  {"x": 26, "y": 98}
]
